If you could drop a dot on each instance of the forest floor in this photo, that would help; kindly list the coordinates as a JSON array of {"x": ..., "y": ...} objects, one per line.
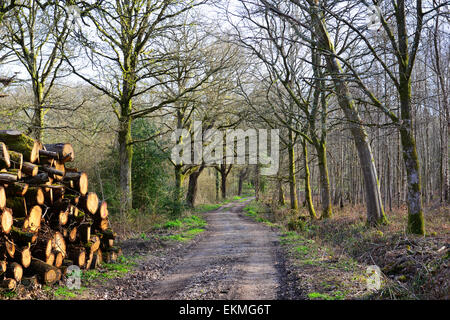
[
  {"x": 331, "y": 258},
  {"x": 245, "y": 250}
]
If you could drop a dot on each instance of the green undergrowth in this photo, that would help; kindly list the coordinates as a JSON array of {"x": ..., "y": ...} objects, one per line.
[
  {"x": 260, "y": 213},
  {"x": 64, "y": 293},
  {"x": 5, "y": 294},
  {"x": 118, "y": 269},
  {"x": 333, "y": 276},
  {"x": 207, "y": 207},
  {"x": 183, "y": 229},
  {"x": 338, "y": 295},
  {"x": 101, "y": 275}
]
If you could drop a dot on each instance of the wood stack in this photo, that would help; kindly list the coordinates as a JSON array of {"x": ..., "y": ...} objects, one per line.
[{"x": 48, "y": 219}]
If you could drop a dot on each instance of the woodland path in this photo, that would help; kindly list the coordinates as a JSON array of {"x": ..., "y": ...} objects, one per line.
[{"x": 236, "y": 258}]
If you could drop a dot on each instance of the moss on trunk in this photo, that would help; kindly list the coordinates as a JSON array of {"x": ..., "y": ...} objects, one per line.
[{"x": 308, "y": 195}]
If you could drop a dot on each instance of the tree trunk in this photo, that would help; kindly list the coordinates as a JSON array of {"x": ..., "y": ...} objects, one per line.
[
  {"x": 327, "y": 209},
  {"x": 257, "y": 181},
  {"x": 178, "y": 191},
  {"x": 292, "y": 173},
  {"x": 445, "y": 129},
  {"x": 125, "y": 160},
  {"x": 240, "y": 183},
  {"x": 416, "y": 222},
  {"x": 217, "y": 184},
  {"x": 281, "y": 200},
  {"x": 375, "y": 211},
  {"x": 193, "y": 186},
  {"x": 308, "y": 196},
  {"x": 223, "y": 184},
  {"x": 242, "y": 176},
  {"x": 37, "y": 122}
]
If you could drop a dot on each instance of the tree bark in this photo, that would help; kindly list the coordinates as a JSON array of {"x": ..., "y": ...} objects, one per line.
[
  {"x": 308, "y": 195},
  {"x": 178, "y": 191},
  {"x": 292, "y": 173},
  {"x": 281, "y": 200},
  {"x": 125, "y": 160},
  {"x": 223, "y": 184},
  {"x": 37, "y": 121},
  {"x": 327, "y": 211},
  {"x": 217, "y": 184},
  {"x": 242, "y": 176},
  {"x": 416, "y": 222},
  {"x": 193, "y": 186}
]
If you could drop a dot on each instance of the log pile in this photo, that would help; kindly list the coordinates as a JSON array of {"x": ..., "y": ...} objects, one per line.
[{"x": 48, "y": 218}]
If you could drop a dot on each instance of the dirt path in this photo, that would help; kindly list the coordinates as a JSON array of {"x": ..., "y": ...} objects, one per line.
[{"x": 236, "y": 258}]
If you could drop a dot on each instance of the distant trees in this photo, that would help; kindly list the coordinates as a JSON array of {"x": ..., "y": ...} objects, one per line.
[{"x": 197, "y": 69}]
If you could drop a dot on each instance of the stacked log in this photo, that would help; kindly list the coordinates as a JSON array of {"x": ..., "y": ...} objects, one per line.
[{"x": 48, "y": 218}]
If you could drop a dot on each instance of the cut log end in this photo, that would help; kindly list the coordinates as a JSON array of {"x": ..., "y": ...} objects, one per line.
[
  {"x": 34, "y": 157},
  {"x": 92, "y": 202},
  {"x": 4, "y": 156},
  {"x": 14, "y": 271},
  {"x": 73, "y": 234},
  {"x": 59, "y": 245},
  {"x": 40, "y": 197},
  {"x": 59, "y": 258},
  {"x": 6, "y": 220},
  {"x": 83, "y": 183},
  {"x": 81, "y": 261},
  {"x": 10, "y": 248},
  {"x": 24, "y": 256},
  {"x": 2, "y": 198},
  {"x": 103, "y": 210},
  {"x": 34, "y": 218}
]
